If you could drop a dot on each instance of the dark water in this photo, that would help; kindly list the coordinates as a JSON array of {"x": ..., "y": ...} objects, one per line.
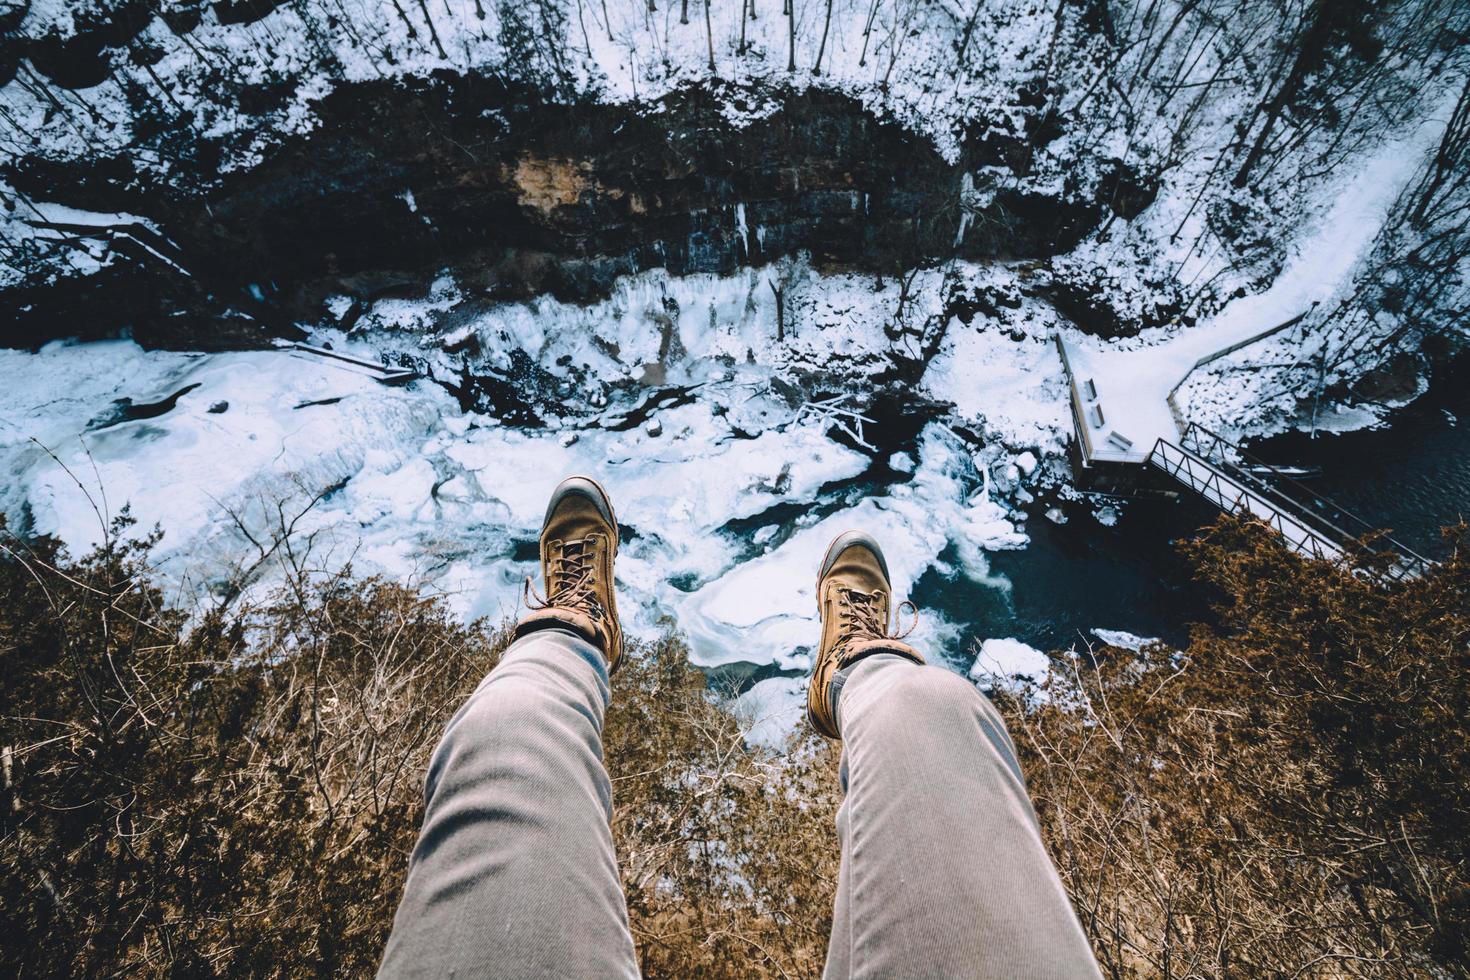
[
  {"x": 1081, "y": 575},
  {"x": 1411, "y": 475}
]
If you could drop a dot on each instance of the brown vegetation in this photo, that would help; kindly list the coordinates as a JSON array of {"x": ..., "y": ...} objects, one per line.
[
  {"x": 1288, "y": 796},
  {"x": 239, "y": 795}
]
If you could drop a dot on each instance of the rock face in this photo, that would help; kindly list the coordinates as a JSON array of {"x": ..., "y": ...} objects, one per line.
[{"x": 519, "y": 196}]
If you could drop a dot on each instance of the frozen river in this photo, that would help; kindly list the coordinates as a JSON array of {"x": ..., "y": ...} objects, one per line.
[{"x": 727, "y": 485}]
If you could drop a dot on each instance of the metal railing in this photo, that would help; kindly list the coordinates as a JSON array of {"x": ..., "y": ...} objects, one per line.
[
  {"x": 1211, "y": 465},
  {"x": 1231, "y": 496}
]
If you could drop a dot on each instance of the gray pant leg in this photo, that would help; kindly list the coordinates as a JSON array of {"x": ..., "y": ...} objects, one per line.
[
  {"x": 943, "y": 870},
  {"x": 514, "y": 873}
]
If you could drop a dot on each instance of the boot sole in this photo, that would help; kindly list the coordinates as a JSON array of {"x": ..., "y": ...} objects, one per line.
[
  {"x": 843, "y": 541},
  {"x": 587, "y": 487}
]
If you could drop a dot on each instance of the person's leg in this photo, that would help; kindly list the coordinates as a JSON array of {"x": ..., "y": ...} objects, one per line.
[
  {"x": 943, "y": 870},
  {"x": 514, "y": 874}
]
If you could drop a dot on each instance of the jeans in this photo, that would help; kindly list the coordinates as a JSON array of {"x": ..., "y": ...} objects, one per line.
[{"x": 943, "y": 872}]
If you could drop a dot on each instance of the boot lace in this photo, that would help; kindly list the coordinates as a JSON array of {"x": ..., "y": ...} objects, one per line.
[
  {"x": 570, "y": 582},
  {"x": 861, "y": 617}
]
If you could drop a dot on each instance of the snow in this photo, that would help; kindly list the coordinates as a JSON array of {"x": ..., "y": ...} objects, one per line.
[
  {"x": 771, "y": 709},
  {"x": 741, "y": 229},
  {"x": 766, "y": 610},
  {"x": 187, "y": 469},
  {"x": 404, "y": 481},
  {"x": 1008, "y": 657},
  {"x": 1123, "y": 640},
  {"x": 61, "y": 214},
  {"x": 1017, "y": 390},
  {"x": 1134, "y": 382}
]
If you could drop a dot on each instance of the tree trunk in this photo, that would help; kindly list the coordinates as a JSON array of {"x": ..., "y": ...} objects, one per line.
[
  {"x": 822, "y": 48},
  {"x": 791, "y": 35},
  {"x": 780, "y": 295},
  {"x": 709, "y": 35},
  {"x": 1308, "y": 57},
  {"x": 965, "y": 38}
]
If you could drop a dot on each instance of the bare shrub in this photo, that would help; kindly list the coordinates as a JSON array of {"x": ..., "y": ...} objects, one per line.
[
  {"x": 729, "y": 854},
  {"x": 236, "y": 799},
  {"x": 240, "y": 798},
  {"x": 1287, "y": 796}
]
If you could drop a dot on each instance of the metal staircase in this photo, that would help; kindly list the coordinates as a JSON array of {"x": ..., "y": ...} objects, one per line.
[{"x": 1236, "y": 482}]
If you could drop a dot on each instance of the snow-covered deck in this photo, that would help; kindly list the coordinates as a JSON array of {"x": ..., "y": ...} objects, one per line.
[{"x": 1123, "y": 401}]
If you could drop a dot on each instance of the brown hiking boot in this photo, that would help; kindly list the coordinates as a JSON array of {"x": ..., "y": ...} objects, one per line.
[
  {"x": 579, "y": 539},
  {"x": 853, "y": 595}
]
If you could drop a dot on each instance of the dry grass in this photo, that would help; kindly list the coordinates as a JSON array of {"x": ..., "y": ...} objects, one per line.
[
  {"x": 1286, "y": 797},
  {"x": 241, "y": 798}
]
